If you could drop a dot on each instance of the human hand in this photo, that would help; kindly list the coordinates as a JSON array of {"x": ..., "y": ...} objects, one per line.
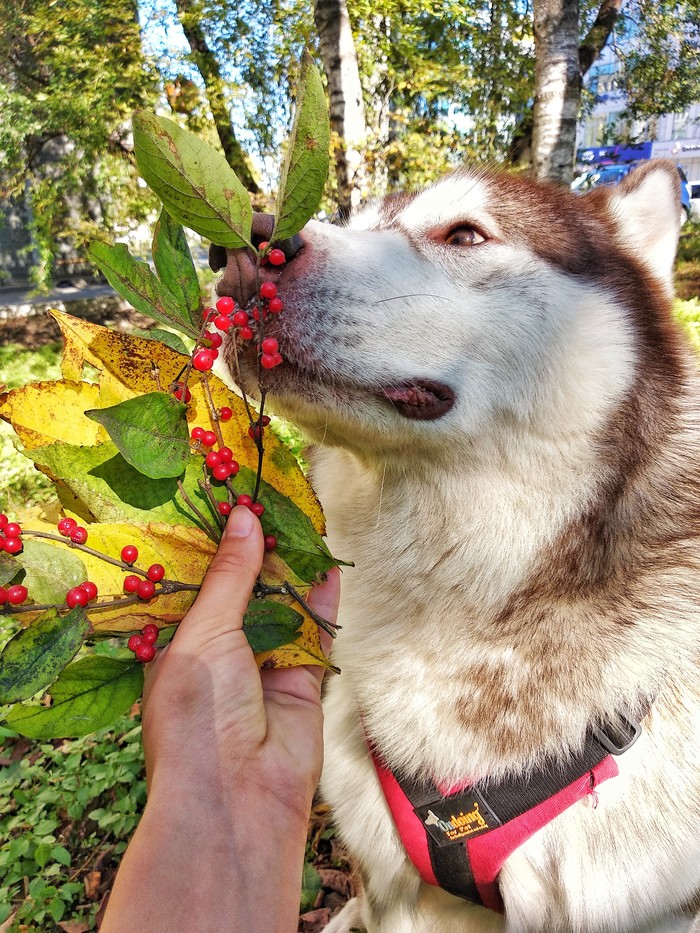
[
  {"x": 233, "y": 756},
  {"x": 209, "y": 714}
]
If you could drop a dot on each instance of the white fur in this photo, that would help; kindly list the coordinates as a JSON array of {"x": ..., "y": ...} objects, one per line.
[{"x": 447, "y": 519}]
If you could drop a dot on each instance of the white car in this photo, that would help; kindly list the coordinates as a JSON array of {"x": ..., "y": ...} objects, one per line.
[{"x": 694, "y": 199}]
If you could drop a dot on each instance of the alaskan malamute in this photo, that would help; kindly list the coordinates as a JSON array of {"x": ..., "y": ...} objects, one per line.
[{"x": 508, "y": 422}]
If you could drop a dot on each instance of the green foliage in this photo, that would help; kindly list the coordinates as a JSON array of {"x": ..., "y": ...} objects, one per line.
[
  {"x": 66, "y": 809},
  {"x": 661, "y": 72}
]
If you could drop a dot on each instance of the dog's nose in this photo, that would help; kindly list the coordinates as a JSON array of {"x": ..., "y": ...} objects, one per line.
[{"x": 240, "y": 276}]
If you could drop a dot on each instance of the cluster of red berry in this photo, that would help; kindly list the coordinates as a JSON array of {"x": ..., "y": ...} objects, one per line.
[
  {"x": 143, "y": 587},
  {"x": 10, "y": 536},
  {"x": 144, "y": 645},
  {"x": 219, "y": 462},
  {"x": 69, "y": 528},
  {"x": 14, "y": 595},
  {"x": 81, "y": 595}
]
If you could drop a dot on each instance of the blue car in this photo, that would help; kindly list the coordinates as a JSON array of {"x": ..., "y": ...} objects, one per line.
[{"x": 613, "y": 175}]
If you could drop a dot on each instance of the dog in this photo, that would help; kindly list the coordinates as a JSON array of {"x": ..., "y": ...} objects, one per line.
[{"x": 508, "y": 431}]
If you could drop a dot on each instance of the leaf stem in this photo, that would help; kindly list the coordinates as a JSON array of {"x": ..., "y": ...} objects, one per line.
[
  {"x": 286, "y": 589},
  {"x": 208, "y": 527}
]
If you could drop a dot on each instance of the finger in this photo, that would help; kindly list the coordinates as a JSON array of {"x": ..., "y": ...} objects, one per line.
[
  {"x": 323, "y": 599},
  {"x": 229, "y": 582}
]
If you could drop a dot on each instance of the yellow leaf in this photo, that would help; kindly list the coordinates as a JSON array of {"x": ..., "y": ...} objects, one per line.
[
  {"x": 34, "y": 413},
  {"x": 132, "y": 366}
]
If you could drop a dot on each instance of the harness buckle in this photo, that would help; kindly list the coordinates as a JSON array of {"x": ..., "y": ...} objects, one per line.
[{"x": 612, "y": 743}]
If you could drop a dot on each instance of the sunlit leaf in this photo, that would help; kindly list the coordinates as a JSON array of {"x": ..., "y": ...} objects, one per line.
[
  {"x": 173, "y": 262},
  {"x": 307, "y": 158},
  {"x": 195, "y": 182},
  {"x": 150, "y": 432},
  {"x": 137, "y": 284},
  {"x": 50, "y": 571}
]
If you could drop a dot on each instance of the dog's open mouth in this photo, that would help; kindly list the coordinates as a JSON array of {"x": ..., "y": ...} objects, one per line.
[{"x": 422, "y": 400}]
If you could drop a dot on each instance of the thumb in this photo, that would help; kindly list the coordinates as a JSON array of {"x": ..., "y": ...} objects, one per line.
[{"x": 227, "y": 587}]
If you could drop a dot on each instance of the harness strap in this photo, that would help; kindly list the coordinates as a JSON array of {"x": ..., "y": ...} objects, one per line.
[{"x": 458, "y": 838}]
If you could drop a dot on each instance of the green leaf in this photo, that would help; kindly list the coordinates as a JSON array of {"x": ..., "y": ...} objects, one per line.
[
  {"x": 50, "y": 571},
  {"x": 136, "y": 283},
  {"x": 150, "y": 431},
  {"x": 114, "y": 490},
  {"x": 163, "y": 336},
  {"x": 299, "y": 545},
  {"x": 268, "y": 625},
  {"x": 173, "y": 262},
  {"x": 34, "y": 658},
  {"x": 306, "y": 162},
  {"x": 9, "y": 568},
  {"x": 195, "y": 182},
  {"x": 89, "y": 695}
]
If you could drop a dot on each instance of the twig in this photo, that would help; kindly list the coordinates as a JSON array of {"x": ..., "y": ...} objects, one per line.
[
  {"x": 88, "y": 550},
  {"x": 209, "y": 528},
  {"x": 286, "y": 589}
]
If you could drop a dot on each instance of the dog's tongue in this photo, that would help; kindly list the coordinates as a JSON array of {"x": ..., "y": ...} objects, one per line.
[{"x": 423, "y": 401}]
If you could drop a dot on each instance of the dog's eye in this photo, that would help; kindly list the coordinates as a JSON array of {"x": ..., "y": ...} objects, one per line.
[{"x": 464, "y": 236}]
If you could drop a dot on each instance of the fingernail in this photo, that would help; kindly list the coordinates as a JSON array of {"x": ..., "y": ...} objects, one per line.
[{"x": 240, "y": 522}]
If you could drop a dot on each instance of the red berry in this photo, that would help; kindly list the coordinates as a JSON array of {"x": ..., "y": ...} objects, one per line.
[
  {"x": 265, "y": 420},
  {"x": 209, "y": 438},
  {"x": 203, "y": 360},
  {"x": 3, "y": 595},
  {"x": 221, "y": 472},
  {"x": 214, "y": 339},
  {"x": 225, "y": 414},
  {"x": 246, "y": 333},
  {"x": 263, "y": 246},
  {"x": 181, "y": 393},
  {"x": 233, "y": 467},
  {"x": 225, "y": 305},
  {"x": 130, "y": 554},
  {"x": 3, "y": 520},
  {"x": 66, "y": 525},
  {"x": 212, "y": 459},
  {"x": 89, "y": 588},
  {"x": 257, "y": 508},
  {"x": 225, "y": 454},
  {"x": 134, "y": 642},
  {"x": 79, "y": 535},
  {"x": 197, "y": 434},
  {"x": 145, "y": 589},
  {"x": 244, "y": 500},
  {"x": 77, "y": 597},
  {"x": 277, "y": 257},
  {"x": 223, "y": 322},
  {"x": 269, "y": 360},
  {"x": 131, "y": 583},
  {"x": 277, "y": 358},
  {"x": 255, "y": 314},
  {"x": 13, "y": 530},
  {"x": 240, "y": 319},
  {"x": 224, "y": 508},
  {"x": 150, "y": 633},
  {"x": 269, "y": 345},
  {"x": 275, "y": 305},
  {"x": 270, "y": 542},
  {"x": 268, "y": 290},
  {"x": 12, "y": 545},
  {"x": 16, "y": 594},
  {"x": 255, "y": 432},
  {"x": 145, "y": 653},
  {"x": 156, "y": 572}
]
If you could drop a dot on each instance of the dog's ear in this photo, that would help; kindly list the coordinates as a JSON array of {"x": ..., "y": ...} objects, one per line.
[{"x": 646, "y": 210}]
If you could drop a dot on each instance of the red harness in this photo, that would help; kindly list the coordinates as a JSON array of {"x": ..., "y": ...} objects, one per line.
[{"x": 458, "y": 838}]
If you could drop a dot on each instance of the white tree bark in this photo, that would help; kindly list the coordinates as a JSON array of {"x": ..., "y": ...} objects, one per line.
[
  {"x": 557, "y": 88},
  {"x": 347, "y": 111}
]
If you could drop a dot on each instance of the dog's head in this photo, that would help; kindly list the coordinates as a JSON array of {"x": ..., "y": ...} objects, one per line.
[{"x": 483, "y": 299}]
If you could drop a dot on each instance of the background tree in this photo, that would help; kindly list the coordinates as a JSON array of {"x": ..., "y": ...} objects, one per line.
[
  {"x": 557, "y": 88},
  {"x": 346, "y": 102},
  {"x": 71, "y": 73}
]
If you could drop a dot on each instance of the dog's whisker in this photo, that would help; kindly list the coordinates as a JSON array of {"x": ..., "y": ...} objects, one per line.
[{"x": 380, "y": 301}]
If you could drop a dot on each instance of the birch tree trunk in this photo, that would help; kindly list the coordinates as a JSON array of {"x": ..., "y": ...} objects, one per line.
[
  {"x": 557, "y": 88},
  {"x": 347, "y": 111}
]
